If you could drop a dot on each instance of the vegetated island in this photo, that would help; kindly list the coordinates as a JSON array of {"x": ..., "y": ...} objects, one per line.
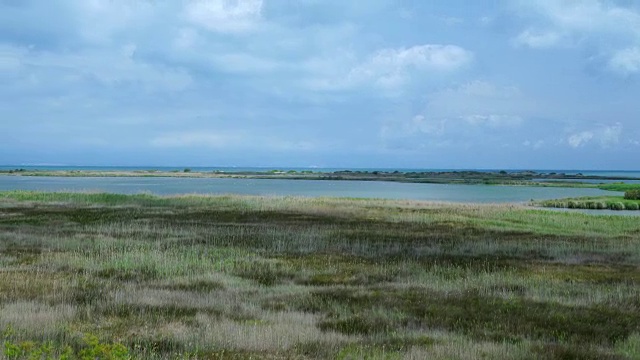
[
  {"x": 630, "y": 200},
  {"x": 90, "y": 275},
  {"x": 523, "y": 178}
]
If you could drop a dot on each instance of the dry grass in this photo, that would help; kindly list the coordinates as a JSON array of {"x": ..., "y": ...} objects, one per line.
[
  {"x": 282, "y": 277},
  {"x": 36, "y": 320},
  {"x": 272, "y": 332},
  {"x": 449, "y": 346}
]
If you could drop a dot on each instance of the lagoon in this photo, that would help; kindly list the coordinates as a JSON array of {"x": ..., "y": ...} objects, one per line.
[{"x": 307, "y": 188}]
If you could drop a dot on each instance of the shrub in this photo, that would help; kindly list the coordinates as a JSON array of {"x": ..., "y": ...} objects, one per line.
[
  {"x": 562, "y": 204},
  {"x": 617, "y": 206},
  {"x": 632, "y": 206},
  {"x": 632, "y": 194}
]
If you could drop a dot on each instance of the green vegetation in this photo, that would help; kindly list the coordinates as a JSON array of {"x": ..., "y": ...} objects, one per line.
[
  {"x": 88, "y": 347},
  {"x": 619, "y": 187},
  {"x": 239, "y": 277},
  {"x": 632, "y": 195},
  {"x": 520, "y": 178},
  {"x": 594, "y": 203}
]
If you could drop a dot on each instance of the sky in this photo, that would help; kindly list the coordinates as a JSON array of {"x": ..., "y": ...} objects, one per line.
[{"x": 455, "y": 84}]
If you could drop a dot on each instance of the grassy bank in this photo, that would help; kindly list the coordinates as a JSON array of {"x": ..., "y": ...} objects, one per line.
[
  {"x": 593, "y": 203},
  {"x": 235, "y": 277},
  {"x": 619, "y": 187}
]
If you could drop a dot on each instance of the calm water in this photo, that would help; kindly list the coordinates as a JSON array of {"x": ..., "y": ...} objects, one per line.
[
  {"x": 311, "y": 188},
  {"x": 612, "y": 173}
]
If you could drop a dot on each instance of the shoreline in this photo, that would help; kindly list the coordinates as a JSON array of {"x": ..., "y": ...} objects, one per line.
[
  {"x": 525, "y": 178},
  {"x": 613, "y": 203},
  {"x": 79, "y": 197}
]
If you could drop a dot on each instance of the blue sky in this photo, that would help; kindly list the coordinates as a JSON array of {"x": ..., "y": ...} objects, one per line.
[{"x": 332, "y": 83}]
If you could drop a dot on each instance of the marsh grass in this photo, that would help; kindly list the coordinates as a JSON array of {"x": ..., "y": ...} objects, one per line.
[
  {"x": 596, "y": 203},
  {"x": 36, "y": 320},
  {"x": 244, "y": 277}
]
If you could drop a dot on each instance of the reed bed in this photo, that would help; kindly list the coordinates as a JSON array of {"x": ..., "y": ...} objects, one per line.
[{"x": 241, "y": 277}]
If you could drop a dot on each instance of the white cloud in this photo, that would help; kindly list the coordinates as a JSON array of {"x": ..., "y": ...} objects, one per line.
[
  {"x": 538, "y": 40},
  {"x": 472, "y": 113},
  {"x": 493, "y": 120},
  {"x": 626, "y": 61},
  {"x": 422, "y": 57},
  {"x": 586, "y": 16},
  {"x": 538, "y": 144},
  {"x": 452, "y": 20},
  {"x": 483, "y": 101},
  {"x": 310, "y": 57},
  {"x": 186, "y": 39},
  {"x": 225, "y": 16},
  {"x": 484, "y": 89},
  {"x": 605, "y": 135},
  {"x": 420, "y": 123},
  {"x": 610, "y": 135},
  {"x": 11, "y": 58},
  {"x": 579, "y": 139},
  {"x": 390, "y": 69},
  {"x": 612, "y": 30},
  {"x": 485, "y": 20},
  {"x": 100, "y": 20}
]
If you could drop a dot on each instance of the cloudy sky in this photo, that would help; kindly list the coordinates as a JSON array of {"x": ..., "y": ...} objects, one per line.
[{"x": 545, "y": 84}]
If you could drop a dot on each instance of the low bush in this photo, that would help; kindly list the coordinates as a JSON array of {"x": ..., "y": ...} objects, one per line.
[
  {"x": 617, "y": 206},
  {"x": 632, "y": 195},
  {"x": 632, "y": 206}
]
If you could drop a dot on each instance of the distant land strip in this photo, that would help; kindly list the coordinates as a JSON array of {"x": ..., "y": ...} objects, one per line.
[{"x": 517, "y": 178}]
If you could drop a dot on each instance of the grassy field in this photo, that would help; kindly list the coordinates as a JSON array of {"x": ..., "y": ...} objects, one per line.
[{"x": 234, "y": 277}]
